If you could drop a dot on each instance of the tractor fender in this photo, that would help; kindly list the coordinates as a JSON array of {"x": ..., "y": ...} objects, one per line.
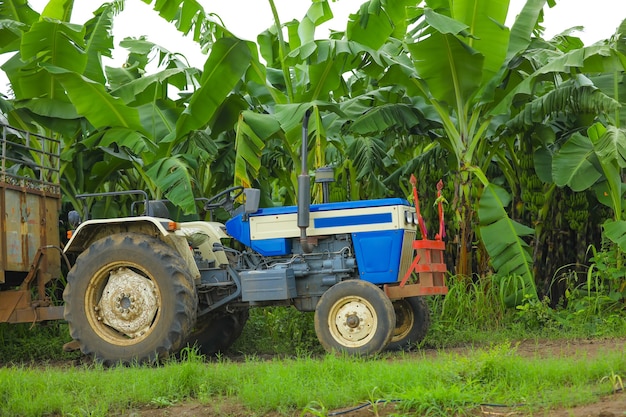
[
  {"x": 210, "y": 243},
  {"x": 92, "y": 230}
]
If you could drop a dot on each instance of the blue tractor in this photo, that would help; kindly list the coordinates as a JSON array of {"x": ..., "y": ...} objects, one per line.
[{"x": 142, "y": 287}]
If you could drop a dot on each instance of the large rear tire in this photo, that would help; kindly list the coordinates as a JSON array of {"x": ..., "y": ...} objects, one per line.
[
  {"x": 130, "y": 298},
  {"x": 354, "y": 317},
  {"x": 412, "y": 323},
  {"x": 217, "y": 332}
]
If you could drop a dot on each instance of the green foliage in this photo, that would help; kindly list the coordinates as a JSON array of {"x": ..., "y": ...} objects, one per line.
[
  {"x": 502, "y": 237},
  {"x": 495, "y": 309},
  {"x": 189, "y": 17},
  {"x": 603, "y": 290},
  {"x": 23, "y": 343},
  {"x": 371, "y": 80},
  {"x": 536, "y": 314},
  {"x": 278, "y": 330}
]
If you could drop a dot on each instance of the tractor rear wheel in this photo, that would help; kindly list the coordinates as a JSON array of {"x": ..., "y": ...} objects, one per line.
[
  {"x": 412, "y": 323},
  {"x": 218, "y": 331},
  {"x": 355, "y": 317},
  {"x": 130, "y": 297}
]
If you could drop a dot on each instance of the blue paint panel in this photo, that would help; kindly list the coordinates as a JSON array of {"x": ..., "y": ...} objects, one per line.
[
  {"x": 272, "y": 247},
  {"x": 239, "y": 229},
  {"x": 378, "y": 255},
  {"x": 353, "y": 220}
]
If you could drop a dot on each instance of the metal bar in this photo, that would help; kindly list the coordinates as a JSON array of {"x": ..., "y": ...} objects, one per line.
[
  {"x": 44, "y": 160},
  {"x": 431, "y": 268},
  {"x": 32, "y": 315},
  {"x": 110, "y": 194},
  {"x": 429, "y": 244},
  {"x": 395, "y": 292},
  {"x": 409, "y": 272}
]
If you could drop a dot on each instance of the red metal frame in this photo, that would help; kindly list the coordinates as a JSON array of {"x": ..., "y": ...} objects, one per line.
[{"x": 430, "y": 269}]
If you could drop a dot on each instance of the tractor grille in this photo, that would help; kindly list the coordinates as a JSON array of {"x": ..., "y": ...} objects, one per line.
[{"x": 406, "y": 258}]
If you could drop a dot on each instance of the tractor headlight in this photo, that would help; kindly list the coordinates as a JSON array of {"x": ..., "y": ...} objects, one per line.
[
  {"x": 408, "y": 217},
  {"x": 415, "y": 219}
]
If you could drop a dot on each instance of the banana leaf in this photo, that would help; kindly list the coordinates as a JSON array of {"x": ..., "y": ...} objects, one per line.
[
  {"x": 95, "y": 103},
  {"x": 502, "y": 237},
  {"x": 615, "y": 230},
  {"x": 575, "y": 164},
  {"x": 172, "y": 176},
  {"x": 228, "y": 62}
]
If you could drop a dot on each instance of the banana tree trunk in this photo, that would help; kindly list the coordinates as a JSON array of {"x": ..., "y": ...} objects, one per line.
[{"x": 465, "y": 233}]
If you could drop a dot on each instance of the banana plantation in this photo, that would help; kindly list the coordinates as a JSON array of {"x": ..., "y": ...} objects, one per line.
[{"x": 525, "y": 133}]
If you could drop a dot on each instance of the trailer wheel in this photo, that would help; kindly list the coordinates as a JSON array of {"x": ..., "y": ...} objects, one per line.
[
  {"x": 217, "y": 332},
  {"x": 354, "y": 317},
  {"x": 129, "y": 297},
  {"x": 412, "y": 323}
]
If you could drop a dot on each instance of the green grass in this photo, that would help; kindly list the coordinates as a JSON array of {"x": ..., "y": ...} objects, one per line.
[
  {"x": 441, "y": 385},
  {"x": 39, "y": 342}
]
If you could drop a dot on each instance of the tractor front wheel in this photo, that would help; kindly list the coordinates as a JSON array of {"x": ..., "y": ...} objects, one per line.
[
  {"x": 130, "y": 297},
  {"x": 412, "y": 323},
  {"x": 355, "y": 317}
]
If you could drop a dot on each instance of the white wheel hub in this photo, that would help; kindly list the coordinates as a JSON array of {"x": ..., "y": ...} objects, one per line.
[
  {"x": 129, "y": 303},
  {"x": 353, "y": 321}
]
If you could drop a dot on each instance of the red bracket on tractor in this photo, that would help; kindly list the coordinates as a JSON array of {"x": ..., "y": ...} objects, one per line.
[{"x": 428, "y": 264}]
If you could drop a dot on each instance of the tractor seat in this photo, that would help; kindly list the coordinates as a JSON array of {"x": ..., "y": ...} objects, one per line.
[{"x": 156, "y": 208}]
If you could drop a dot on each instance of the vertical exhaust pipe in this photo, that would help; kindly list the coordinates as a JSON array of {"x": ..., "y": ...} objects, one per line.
[{"x": 304, "y": 187}]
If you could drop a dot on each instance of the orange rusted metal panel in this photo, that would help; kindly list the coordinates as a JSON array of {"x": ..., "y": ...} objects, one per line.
[
  {"x": 30, "y": 203},
  {"x": 9, "y": 301},
  {"x": 394, "y": 291},
  {"x": 428, "y": 268},
  {"x": 31, "y": 315},
  {"x": 429, "y": 244}
]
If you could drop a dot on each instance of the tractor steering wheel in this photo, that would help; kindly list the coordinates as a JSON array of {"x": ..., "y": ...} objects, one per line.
[{"x": 224, "y": 199}]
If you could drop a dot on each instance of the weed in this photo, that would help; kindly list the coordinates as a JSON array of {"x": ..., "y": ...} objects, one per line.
[
  {"x": 616, "y": 381},
  {"x": 163, "y": 402},
  {"x": 534, "y": 313},
  {"x": 375, "y": 402},
  {"x": 315, "y": 408},
  {"x": 84, "y": 412},
  {"x": 449, "y": 384}
]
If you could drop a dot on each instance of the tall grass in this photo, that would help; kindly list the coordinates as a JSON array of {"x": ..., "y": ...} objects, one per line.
[
  {"x": 440, "y": 385},
  {"x": 477, "y": 312},
  {"x": 34, "y": 342}
]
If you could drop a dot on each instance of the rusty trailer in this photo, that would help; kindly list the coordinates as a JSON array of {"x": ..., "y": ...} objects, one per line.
[{"x": 30, "y": 202}]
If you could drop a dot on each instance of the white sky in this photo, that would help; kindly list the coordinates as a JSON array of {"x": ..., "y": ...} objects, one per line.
[{"x": 247, "y": 18}]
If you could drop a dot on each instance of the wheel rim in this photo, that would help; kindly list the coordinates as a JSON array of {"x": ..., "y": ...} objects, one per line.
[
  {"x": 122, "y": 303},
  {"x": 404, "y": 320},
  {"x": 352, "y": 321}
]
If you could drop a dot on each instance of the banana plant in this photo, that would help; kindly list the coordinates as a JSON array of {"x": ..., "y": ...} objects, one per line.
[
  {"x": 302, "y": 73},
  {"x": 582, "y": 161},
  {"x": 336, "y": 78},
  {"x": 456, "y": 59},
  {"x": 465, "y": 66},
  {"x": 510, "y": 255},
  {"x": 596, "y": 161},
  {"x": 59, "y": 85}
]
